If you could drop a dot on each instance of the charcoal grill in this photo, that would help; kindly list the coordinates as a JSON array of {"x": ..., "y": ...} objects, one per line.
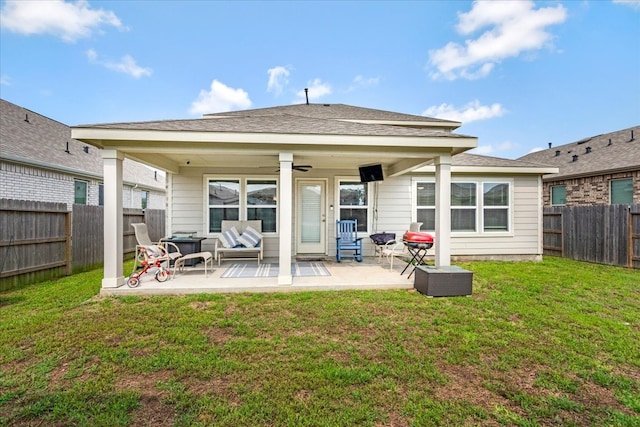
[{"x": 417, "y": 243}]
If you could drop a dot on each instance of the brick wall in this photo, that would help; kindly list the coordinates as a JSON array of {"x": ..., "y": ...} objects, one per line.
[
  {"x": 22, "y": 182},
  {"x": 593, "y": 190}
]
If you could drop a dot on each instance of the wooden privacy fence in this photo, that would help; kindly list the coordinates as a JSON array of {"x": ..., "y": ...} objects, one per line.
[
  {"x": 605, "y": 234},
  {"x": 40, "y": 241}
]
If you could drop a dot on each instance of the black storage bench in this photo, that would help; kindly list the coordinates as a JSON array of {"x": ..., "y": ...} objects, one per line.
[{"x": 443, "y": 281}]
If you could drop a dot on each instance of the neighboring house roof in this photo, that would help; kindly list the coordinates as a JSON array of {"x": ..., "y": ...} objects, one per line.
[
  {"x": 601, "y": 154},
  {"x": 27, "y": 137}
]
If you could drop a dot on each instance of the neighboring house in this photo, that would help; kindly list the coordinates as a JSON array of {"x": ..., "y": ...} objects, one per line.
[
  {"x": 39, "y": 161},
  {"x": 602, "y": 169},
  {"x": 251, "y": 165}
]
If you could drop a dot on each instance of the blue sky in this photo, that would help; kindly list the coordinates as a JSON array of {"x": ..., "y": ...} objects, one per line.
[{"x": 517, "y": 74}]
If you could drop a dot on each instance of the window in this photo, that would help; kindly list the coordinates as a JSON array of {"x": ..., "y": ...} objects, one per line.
[
  {"x": 463, "y": 206},
  {"x": 242, "y": 199},
  {"x": 100, "y": 194},
  {"x": 80, "y": 192},
  {"x": 261, "y": 203},
  {"x": 426, "y": 205},
  {"x": 471, "y": 211},
  {"x": 354, "y": 203},
  {"x": 496, "y": 206},
  {"x": 622, "y": 191},
  {"x": 224, "y": 202},
  {"x": 558, "y": 195},
  {"x": 144, "y": 199}
]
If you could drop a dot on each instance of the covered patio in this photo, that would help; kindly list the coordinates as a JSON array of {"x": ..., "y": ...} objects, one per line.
[{"x": 249, "y": 147}]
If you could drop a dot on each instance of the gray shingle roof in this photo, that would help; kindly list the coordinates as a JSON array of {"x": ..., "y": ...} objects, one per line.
[
  {"x": 312, "y": 119},
  {"x": 334, "y": 111},
  {"x": 468, "y": 159},
  {"x": 596, "y": 155},
  {"x": 43, "y": 141}
]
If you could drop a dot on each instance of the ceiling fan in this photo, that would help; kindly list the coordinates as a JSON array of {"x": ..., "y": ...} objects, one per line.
[{"x": 301, "y": 168}]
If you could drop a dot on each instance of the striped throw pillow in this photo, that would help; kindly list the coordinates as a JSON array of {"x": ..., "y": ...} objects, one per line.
[
  {"x": 250, "y": 238},
  {"x": 230, "y": 238}
]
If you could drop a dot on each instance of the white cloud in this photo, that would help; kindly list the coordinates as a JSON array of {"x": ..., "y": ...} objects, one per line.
[
  {"x": 634, "y": 4},
  {"x": 317, "y": 89},
  {"x": 512, "y": 27},
  {"x": 5, "y": 80},
  {"x": 471, "y": 112},
  {"x": 360, "y": 82},
  {"x": 127, "y": 65},
  {"x": 278, "y": 79},
  {"x": 220, "y": 98},
  {"x": 66, "y": 20},
  {"x": 488, "y": 149},
  {"x": 536, "y": 149}
]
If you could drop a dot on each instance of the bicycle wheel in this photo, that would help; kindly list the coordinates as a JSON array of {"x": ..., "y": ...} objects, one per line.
[
  {"x": 162, "y": 275},
  {"x": 133, "y": 282}
]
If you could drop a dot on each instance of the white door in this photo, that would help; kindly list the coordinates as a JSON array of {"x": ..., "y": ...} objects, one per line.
[{"x": 311, "y": 217}]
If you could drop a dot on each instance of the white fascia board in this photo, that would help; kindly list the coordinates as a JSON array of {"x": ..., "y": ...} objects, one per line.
[{"x": 112, "y": 136}]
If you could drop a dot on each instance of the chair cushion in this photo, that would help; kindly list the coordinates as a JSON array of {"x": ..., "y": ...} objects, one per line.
[
  {"x": 250, "y": 238},
  {"x": 230, "y": 238}
]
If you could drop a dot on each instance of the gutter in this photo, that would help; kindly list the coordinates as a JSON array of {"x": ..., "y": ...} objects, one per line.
[{"x": 72, "y": 171}]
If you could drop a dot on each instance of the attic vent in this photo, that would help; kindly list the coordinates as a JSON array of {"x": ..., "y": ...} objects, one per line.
[
  {"x": 587, "y": 150},
  {"x": 575, "y": 157},
  {"x": 632, "y": 138},
  {"x": 582, "y": 141},
  {"x": 86, "y": 149},
  {"x": 557, "y": 153}
]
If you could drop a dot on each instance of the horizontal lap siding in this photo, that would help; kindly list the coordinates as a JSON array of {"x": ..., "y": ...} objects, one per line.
[{"x": 526, "y": 226}]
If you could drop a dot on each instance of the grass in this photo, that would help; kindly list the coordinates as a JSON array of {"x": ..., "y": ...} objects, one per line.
[{"x": 551, "y": 343}]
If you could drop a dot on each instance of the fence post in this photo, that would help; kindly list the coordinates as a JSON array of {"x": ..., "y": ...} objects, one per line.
[{"x": 69, "y": 250}]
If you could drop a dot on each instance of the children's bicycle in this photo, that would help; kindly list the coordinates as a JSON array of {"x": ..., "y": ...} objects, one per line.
[{"x": 151, "y": 260}]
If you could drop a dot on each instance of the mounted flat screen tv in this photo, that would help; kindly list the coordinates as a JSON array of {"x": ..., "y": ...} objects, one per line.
[{"x": 371, "y": 173}]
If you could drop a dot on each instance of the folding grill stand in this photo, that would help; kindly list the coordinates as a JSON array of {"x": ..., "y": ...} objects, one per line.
[{"x": 418, "y": 251}]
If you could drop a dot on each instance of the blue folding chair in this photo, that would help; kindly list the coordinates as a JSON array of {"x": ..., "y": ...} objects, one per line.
[{"x": 347, "y": 239}]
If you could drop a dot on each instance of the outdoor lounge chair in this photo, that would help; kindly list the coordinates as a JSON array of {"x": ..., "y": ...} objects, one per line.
[
  {"x": 347, "y": 239},
  {"x": 143, "y": 239}
]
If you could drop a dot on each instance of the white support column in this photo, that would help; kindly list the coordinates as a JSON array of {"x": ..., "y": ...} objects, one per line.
[
  {"x": 113, "y": 238},
  {"x": 286, "y": 218},
  {"x": 443, "y": 211}
]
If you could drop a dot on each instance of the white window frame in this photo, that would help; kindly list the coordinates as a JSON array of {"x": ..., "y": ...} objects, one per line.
[
  {"x": 368, "y": 206},
  {"x": 247, "y": 206},
  {"x": 479, "y": 207},
  {"x": 243, "y": 206}
]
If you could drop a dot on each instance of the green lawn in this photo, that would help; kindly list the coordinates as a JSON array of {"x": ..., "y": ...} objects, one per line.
[{"x": 552, "y": 343}]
